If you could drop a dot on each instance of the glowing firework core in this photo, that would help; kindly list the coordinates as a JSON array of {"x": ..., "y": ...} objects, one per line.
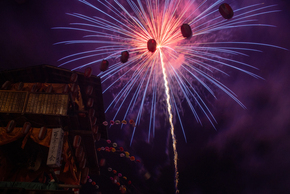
[{"x": 151, "y": 45}]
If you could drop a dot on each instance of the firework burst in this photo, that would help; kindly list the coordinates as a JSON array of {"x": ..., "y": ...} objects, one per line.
[{"x": 172, "y": 71}]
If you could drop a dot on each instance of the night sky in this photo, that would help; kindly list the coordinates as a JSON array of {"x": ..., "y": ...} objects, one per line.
[{"x": 247, "y": 153}]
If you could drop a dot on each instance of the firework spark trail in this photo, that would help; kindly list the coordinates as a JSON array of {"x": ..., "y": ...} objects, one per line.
[{"x": 171, "y": 122}]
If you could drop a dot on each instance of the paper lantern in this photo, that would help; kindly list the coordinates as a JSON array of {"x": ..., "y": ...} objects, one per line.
[
  {"x": 104, "y": 65},
  {"x": 85, "y": 174},
  {"x": 93, "y": 121},
  {"x": 102, "y": 162},
  {"x": 89, "y": 90},
  {"x": 91, "y": 112},
  {"x": 151, "y": 45},
  {"x": 77, "y": 141},
  {"x": 73, "y": 77},
  {"x": 82, "y": 156},
  {"x": 74, "y": 88},
  {"x": 79, "y": 151},
  {"x": 95, "y": 129},
  {"x": 105, "y": 123},
  {"x": 186, "y": 31},
  {"x": 226, "y": 11},
  {"x": 90, "y": 102},
  {"x": 6, "y": 85},
  {"x": 26, "y": 127},
  {"x": 10, "y": 126},
  {"x": 88, "y": 72},
  {"x": 35, "y": 88},
  {"x": 49, "y": 89},
  {"x": 131, "y": 121},
  {"x": 124, "y": 56},
  {"x": 65, "y": 89},
  {"x": 83, "y": 163},
  {"x": 132, "y": 158},
  {"x": 127, "y": 153},
  {"x": 42, "y": 133},
  {"x": 20, "y": 86}
]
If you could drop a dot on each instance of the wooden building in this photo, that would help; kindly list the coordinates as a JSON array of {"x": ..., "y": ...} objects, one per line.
[{"x": 50, "y": 120}]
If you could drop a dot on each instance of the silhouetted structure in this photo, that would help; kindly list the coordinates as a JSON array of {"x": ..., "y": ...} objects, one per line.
[{"x": 50, "y": 119}]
